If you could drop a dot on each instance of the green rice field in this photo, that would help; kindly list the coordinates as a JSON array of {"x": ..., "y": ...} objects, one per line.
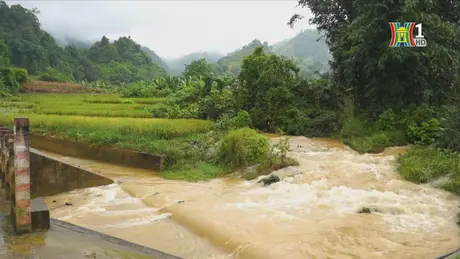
[
  {"x": 109, "y": 120},
  {"x": 106, "y": 105}
]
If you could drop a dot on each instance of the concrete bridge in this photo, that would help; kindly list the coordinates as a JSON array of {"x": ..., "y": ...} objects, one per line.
[{"x": 28, "y": 174}]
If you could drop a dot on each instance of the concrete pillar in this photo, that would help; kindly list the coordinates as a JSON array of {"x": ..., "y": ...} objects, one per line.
[
  {"x": 8, "y": 141},
  {"x": 21, "y": 180},
  {"x": 3, "y": 153}
]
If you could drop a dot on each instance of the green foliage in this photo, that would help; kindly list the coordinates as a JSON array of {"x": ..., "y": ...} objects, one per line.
[
  {"x": 232, "y": 63},
  {"x": 283, "y": 147},
  {"x": 308, "y": 50},
  {"x": 4, "y": 54},
  {"x": 422, "y": 165},
  {"x": 11, "y": 79},
  {"x": 226, "y": 123},
  {"x": 377, "y": 141},
  {"x": 242, "y": 147},
  {"x": 21, "y": 75},
  {"x": 420, "y": 123},
  {"x": 29, "y": 47},
  {"x": 200, "y": 172},
  {"x": 54, "y": 75},
  {"x": 449, "y": 133},
  {"x": 380, "y": 77},
  {"x": 198, "y": 68}
]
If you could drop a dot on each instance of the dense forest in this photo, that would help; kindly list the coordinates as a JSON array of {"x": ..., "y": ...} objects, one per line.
[
  {"x": 371, "y": 96},
  {"x": 31, "y": 48}
]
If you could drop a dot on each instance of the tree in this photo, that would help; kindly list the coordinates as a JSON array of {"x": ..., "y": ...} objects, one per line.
[
  {"x": 267, "y": 79},
  {"x": 377, "y": 76},
  {"x": 4, "y": 54},
  {"x": 198, "y": 68}
]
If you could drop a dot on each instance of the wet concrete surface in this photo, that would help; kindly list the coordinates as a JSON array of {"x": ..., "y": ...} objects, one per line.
[{"x": 66, "y": 241}]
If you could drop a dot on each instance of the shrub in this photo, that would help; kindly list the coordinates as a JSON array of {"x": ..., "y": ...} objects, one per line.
[
  {"x": 241, "y": 120},
  {"x": 54, "y": 75},
  {"x": 449, "y": 133},
  {"x": 420, "y": 124},
  {"x": 387, "y": 121},
  {"x": 21, "y": 75},
  {"x": 8, "y": 77},
  {"x": 424, "y": 164},
  {"x": 354, "y": 127},
  {"x": 242, "y": 147}
]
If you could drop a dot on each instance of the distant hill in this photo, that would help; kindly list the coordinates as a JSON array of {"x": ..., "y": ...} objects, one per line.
[
  {"x": 177, "y": 66},
  {"x": 68, "y": 40},
  {"x": 309, "y": 53},
  {"x": 155, "y": 58},
  {"x": 232, "y": 61}
]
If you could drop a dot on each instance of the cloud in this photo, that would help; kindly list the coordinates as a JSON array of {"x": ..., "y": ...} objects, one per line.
[{"x": 172, "y": 28}]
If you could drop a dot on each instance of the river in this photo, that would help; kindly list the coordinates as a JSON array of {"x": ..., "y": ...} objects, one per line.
[{"x": 311, "y": 213}]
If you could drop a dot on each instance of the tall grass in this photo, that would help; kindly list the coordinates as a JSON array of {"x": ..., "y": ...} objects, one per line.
[
  {"x": 172, "y": 138},
  {"x": 162, "y": 128},
  {"x": 425, "y": 164}
]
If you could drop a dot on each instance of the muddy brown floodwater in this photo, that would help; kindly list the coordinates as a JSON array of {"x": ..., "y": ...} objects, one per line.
[{"x": 311, "y": 213}]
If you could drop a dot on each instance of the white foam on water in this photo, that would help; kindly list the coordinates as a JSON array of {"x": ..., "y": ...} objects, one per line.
[
  {"x": 109, "y": 200},
  {"x": 128, "y": 212},
  {"x": 138, "y": 221},
  {"x": 404, "y": 211}
]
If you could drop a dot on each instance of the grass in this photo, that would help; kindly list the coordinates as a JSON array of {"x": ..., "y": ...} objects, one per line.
[
  {"x": 152, "y": 128},
  {"x": 364, "y": 138},
  {"x": 426, "y": 164},
  {"x": 106, "y": 105},
  {"x": 109, "y": 120},
  {"x": 376, "y": 142},
  {"x": 202, "y": 171},
  {"x": 168, "y": 137},
  {"x": 118, "y": 100}
]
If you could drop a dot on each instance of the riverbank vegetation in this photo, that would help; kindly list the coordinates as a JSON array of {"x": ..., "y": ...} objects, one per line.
[{"x": 371, "y": 97}]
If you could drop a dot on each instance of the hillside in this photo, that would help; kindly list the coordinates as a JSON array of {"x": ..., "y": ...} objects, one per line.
[
  {"x": 309, "y": 53},
  {"x": 177, "y": 66},
  {"x": 231, "y": 63},
  {"x": 30, "y": 47},
  {"x": 155, "y": 58},
  {"x": 68, "y": 40}
]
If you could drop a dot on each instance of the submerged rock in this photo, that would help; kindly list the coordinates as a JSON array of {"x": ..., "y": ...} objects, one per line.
[
  {"x": 269, "y": 180},
  {"x": 364, "y": 210},
  {"x": 458, "y": 219}
]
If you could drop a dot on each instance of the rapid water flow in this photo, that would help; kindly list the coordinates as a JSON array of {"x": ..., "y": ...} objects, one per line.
[{"x": 311, "y": 213}]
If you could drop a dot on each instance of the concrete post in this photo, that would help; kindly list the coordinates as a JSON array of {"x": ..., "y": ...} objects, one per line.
[
  {"x": 21, "y": 180},
  {"x": 8, "y": 142},
  {"x": 3, "y": 153}
]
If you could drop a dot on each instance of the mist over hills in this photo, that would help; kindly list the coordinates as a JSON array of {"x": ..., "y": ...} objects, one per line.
[
  {"x": 177, "y": 65},
  {"x": 123, "y": 60},
  {"x": 308, "y": 51}
]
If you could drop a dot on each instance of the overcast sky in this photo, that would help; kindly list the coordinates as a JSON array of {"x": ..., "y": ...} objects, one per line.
[{"x": 173, "y": 28}]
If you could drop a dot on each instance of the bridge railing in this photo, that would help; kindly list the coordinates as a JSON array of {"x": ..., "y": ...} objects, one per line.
[{"x": 15, "y": 172}]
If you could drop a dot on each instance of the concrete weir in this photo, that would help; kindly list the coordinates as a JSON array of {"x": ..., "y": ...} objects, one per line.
[
  {"x": 28, "y": 174},
  {"x": 101, "y": 153},
  {"x": 50, "y": 176}
]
